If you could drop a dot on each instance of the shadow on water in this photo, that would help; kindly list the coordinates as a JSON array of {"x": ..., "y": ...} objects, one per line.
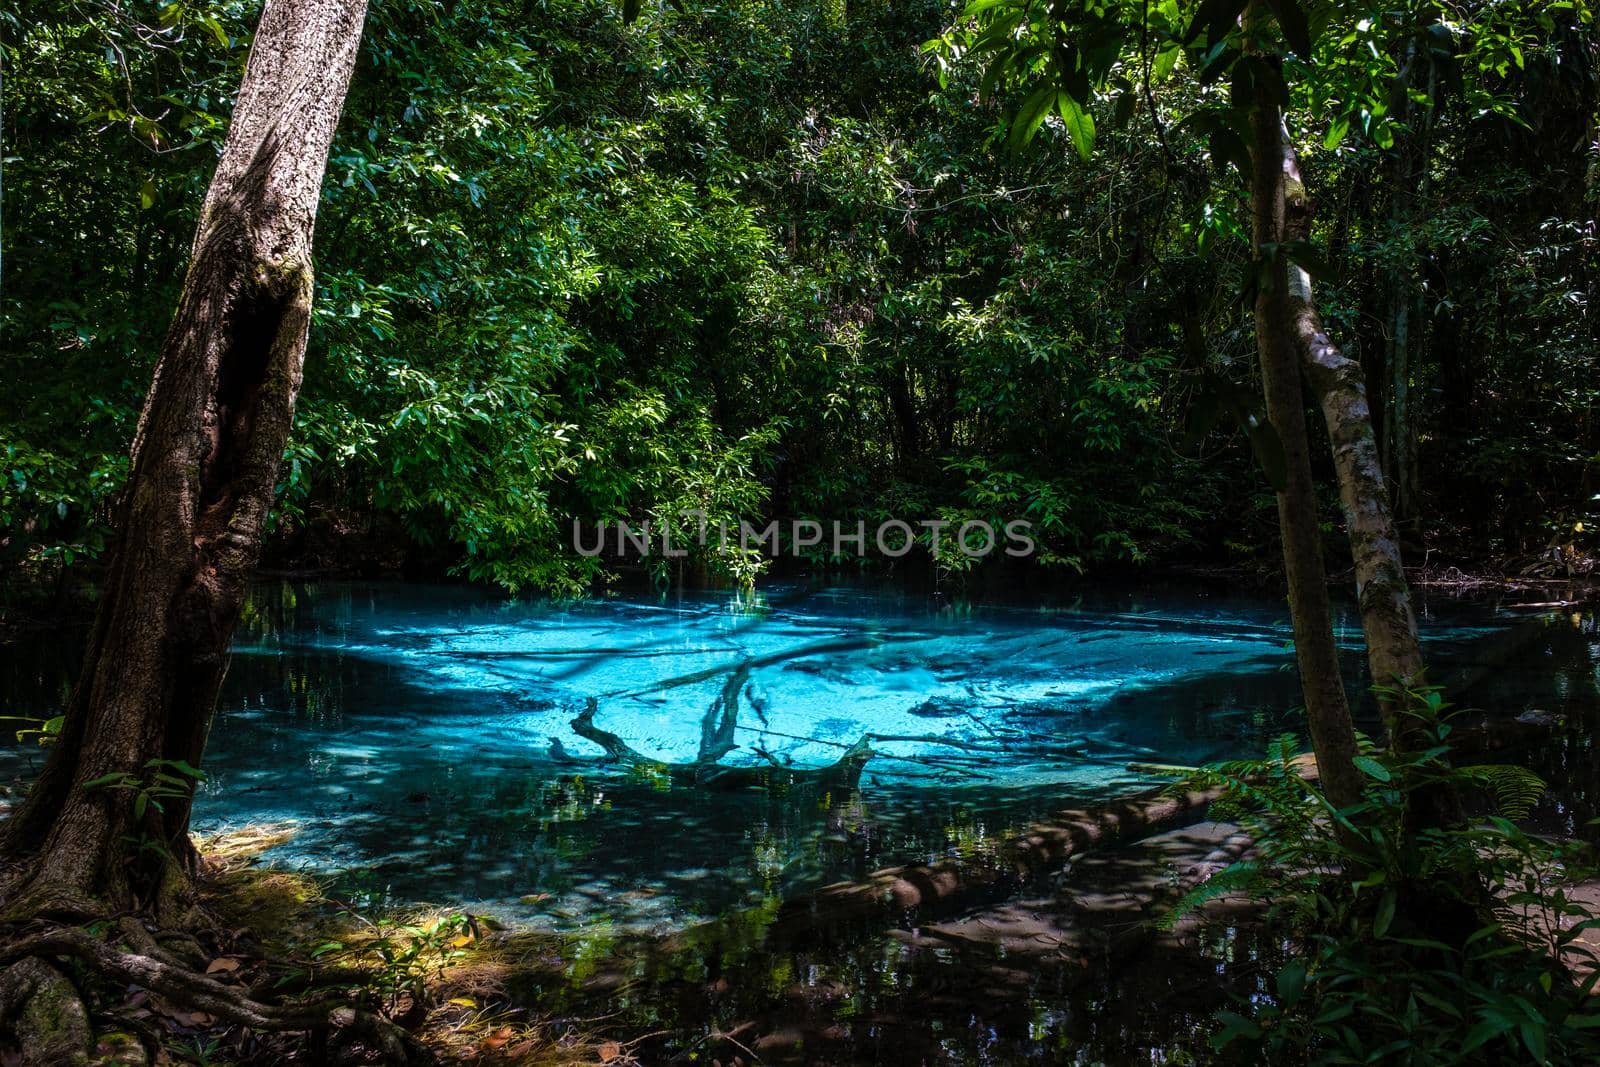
[
  {"x": 855, "y": 994},
  {"x": 420, "y": 740}
]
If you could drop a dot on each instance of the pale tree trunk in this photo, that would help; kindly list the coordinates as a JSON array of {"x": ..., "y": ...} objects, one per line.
[
  {"x": 1394, "y": 653},
  {"x": 1327, "y": 710},
  {"x": 205, "y": 462}
]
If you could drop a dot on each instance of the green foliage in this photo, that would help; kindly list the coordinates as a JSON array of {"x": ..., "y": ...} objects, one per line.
[
  {"x": 44, "y": 731},
  {"x": 1408, "y": 943},
  {"x": 749, "y": 260},
  {"x": 729, "y": 259},
  {"x": 399, "y": 961},
  {"x": 159, "y": 781}
]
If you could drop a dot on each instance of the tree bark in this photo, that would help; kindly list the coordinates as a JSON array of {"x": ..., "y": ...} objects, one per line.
[
  {"x": 1394, "y": 653},
  {"x": 1327, "y": 710},
  {"x": 205, "y": 460}
]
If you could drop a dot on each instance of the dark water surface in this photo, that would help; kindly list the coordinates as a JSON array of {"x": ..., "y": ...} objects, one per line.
[
  {"x": 421, "y": 741},
  {"x": 420, "y": 738}
]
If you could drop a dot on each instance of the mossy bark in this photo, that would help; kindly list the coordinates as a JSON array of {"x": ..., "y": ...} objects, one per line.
[{"x": 41, "y": 1009}]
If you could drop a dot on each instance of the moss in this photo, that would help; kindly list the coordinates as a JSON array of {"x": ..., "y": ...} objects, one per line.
[
  {"x": 117, "y": 1047},
  {"x": 53, "y": 1026}
]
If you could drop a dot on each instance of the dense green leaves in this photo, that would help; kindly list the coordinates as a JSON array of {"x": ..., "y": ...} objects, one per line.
[{"x": 754, "y": 260}]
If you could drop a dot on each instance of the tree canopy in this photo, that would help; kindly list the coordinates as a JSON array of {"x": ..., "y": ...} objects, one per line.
[{"x": 756, "y": 259}]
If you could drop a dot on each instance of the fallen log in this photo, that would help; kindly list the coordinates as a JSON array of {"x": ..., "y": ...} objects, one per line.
[
  {"x": 717, "y": 742},
  {"x": 912, "y": 893}
]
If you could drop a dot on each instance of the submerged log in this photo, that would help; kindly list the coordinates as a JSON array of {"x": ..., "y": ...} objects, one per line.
[
  {"x": 913, "y": 893},
  {"x": 706, "y": 771},
  {"x": 917, "y": 891}
]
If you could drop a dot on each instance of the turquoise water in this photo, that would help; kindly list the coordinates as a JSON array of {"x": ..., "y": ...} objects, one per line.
[{"x": 420, "y": 739}]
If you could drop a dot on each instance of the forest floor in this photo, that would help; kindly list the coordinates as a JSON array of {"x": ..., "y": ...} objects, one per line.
[
  {"x": 1082, "y": 952},
  {"x": 1089, "y": 940}
]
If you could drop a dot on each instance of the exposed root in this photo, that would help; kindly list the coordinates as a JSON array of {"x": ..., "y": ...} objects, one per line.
[{"x": 151, "y": 966}]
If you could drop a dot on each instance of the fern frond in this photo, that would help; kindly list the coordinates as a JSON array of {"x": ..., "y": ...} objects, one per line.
[
  {"x": 1516, "y": 789},
  {"x": 1246, "y": 875}
]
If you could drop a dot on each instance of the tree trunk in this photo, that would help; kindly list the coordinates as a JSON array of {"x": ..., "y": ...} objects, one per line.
[
  {"x": 1394, "y": 653},
  {"x": 1408, "y": 179},
  {"x": 1327, "y": 710},
  {"x": 205, "y": 462},
  {"x": 1387, "y": 621}
]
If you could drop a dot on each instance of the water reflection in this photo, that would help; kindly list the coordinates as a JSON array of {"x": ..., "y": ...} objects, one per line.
[{"x": 422, "y": 738}]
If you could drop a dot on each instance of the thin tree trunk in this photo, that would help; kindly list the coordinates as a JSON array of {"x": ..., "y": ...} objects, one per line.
[
  {"x": 1408, "y": 177},
  {"x": 1393, "y": 651},
  {"x": 1327, "y": 710},
  {"x": 205, "y": 462}
]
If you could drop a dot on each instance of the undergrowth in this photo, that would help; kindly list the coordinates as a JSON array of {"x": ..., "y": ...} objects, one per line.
[{"x": 1377, "y": 971}]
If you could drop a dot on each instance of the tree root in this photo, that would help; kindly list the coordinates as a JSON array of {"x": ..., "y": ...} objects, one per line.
[
  {"x": 41, "y": 1007},
  {"x": 30, "y": 981}
]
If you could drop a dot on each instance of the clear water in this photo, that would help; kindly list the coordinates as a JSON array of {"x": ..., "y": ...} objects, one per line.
[{"x": 420, "y": 738}]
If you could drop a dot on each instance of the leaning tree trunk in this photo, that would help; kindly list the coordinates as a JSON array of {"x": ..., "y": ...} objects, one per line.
[
  {"x": 1327, "y": 709},
  {"x": 205, "y": 461},
  {"x": 1394, "y": 653}
]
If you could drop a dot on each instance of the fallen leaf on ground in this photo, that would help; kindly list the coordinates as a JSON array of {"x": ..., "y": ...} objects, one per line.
[{"x": 497, "y": 1038}]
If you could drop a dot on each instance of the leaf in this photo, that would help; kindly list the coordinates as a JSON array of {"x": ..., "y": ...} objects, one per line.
[
  {"x": 184, "y": 767},
  {"x": 1234, "y": 1025},
  {"x": 1031, "y": 115},
  {"x": 1291, "y": 982},
  {"x": 103, "y": 780},
  {"x": 1166, "y": 62},
  {"x": 630, "y": 11},
  {"x": 1268, "y": 447},
  {"x": 1484, "y": 1032},
  {"x": 1372, "y": 768},
  {"x": 1079, "y": 123},
  {"x": 1127, "y": 102},
  {"x": 1228, "y": 147},
  {"x": 1533, "y": 1037},
  {"x": 223, "y": 965},
  {"x": 147, "y": 195},
  {"x": 610, "y": 1051},
  {"x": 1336, "y": 132},
  {"x": 218, "y": 34},
  {"x": 1385, "y": 916},
  {"x": 1216, "y": 18}
]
